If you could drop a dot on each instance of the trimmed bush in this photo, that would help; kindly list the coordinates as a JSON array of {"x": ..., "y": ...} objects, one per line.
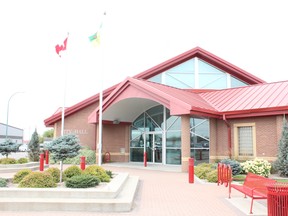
[
  {"x": 8, "y": 161},
  {"x": 3, "y": 182},
  {"x": 235, "y": 165},
  {"x": 20, "y": 175},
  {"x": 82, "y": 181},
  {"x": 212, "y": 176},
  {"x": 97, "y": 171},
  {"x": 201, "y": 172},
  {"x": 22, "y": 160},
  {"x": 55, "y": 173},
  {"x": 72, "y": 171},
  {"x": 109, "y": 173},
  {"x": 38, "y": 180}
]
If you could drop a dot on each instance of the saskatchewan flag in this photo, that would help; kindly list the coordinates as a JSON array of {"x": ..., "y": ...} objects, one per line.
[{"x": 95, "y": 39}]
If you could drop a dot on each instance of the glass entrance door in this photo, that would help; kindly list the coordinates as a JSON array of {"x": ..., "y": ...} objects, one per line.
[{"x": 153, "y": 147}]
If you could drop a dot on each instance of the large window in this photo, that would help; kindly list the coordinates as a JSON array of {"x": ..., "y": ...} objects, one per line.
[
  {"x": 196, "y": 73},
  {"x": 199, "y": 140},
  {"x": 244, "y": 139}
]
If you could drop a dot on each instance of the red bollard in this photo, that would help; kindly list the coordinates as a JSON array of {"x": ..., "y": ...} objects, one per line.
[
  {"x": 41, "y": 163},
  {"x": 46, "y": 157},
  {"x": 82, "y": 163},
  {"x": 145, "y": 159},
  {"x": 191, "y": 170}
]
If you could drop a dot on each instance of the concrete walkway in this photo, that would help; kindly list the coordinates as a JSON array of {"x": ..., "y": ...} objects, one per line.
[{"x": 168, "y": 193}]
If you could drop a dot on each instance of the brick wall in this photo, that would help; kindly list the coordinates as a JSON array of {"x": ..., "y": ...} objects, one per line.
[{"x": 268, "y": 133}]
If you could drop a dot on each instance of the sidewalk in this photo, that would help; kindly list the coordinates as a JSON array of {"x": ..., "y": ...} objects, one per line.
[{"x": 166, "y": 193}]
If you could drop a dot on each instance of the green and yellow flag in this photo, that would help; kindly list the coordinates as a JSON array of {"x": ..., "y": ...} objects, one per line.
[{"x": 95, "y": 39}]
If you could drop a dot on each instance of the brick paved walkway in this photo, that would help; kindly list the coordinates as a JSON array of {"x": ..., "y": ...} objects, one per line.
[{"x": 164, "y": 193}]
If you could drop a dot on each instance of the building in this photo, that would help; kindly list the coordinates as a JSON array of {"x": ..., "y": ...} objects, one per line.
[
  {"x": 13, "y": 133},
  {"x": 193, "y": 105}
]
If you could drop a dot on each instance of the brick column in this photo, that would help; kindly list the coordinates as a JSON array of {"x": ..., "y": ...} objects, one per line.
[{"x": 185, "y": 142}]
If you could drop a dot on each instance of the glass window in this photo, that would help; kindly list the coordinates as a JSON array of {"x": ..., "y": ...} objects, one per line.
[
  {"x": 186, "y": 67},
  {"x": 156, "y": 79},
  {"x": 245, "y": 141},
  {"x": 180, "y": 80},
  {"x": 204, "y": 67},
  {"x": 237, "y": 83},
  {"x": 212, "y": 81},
  {"x": 136, "y": 154},
  {"x": 173, "y": 156},
  {"x": 173, "y": 139},
  {"x": 156, "y": 114}
]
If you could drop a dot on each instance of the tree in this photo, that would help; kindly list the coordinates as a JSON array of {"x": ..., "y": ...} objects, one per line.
[
  {"x": 281, "y": 163},
  {"x": 66, "y": 146},
  {"x": 34, "y": 147},
  {"x": 49, "y": 133},
  {"x": 8, "y": 146}
]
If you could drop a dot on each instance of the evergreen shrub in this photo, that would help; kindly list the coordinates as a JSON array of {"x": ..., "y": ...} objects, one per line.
[
  {"x": 8, "y": 161},
  {"x": 38, "y": 180},
  {"x": 55, "y": 173},
  {"x": 235, "y": 165},
  {"x": 22, "y": 160},
  {"x": 97, "y": 171},
  {"x": 3, "y": 182},
  {"x": 20, "y": 175},
  {"x": 82, "y": 181},
  {"x": 72, "y": 171},
  {"x": 89, "y": 155},
  {"x": 212, "y": 176}
]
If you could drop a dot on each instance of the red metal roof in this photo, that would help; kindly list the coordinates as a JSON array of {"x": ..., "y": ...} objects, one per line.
[
  {"x": 259, "y": 99},
  {"x": 196, "y": 52}
]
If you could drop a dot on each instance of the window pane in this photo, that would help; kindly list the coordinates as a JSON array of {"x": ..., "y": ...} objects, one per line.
[
  {"x": 245, "y": 141},
  {"x": 180, "y": 80},
  {"x": 156, "y": 79},
  {"x": 136, "y": 154},
  {"x": 212, "y": 81},
  {"x": 207, "y": 68},
  {"x": 186, "y": 67},
  {"x": 173, "y": 139},
  {"x": 237, "y": 83},
  {"x": 173, "y": 156}
]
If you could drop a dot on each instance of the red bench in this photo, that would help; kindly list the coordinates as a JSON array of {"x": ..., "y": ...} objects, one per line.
[{"x": 254, "y": 186}]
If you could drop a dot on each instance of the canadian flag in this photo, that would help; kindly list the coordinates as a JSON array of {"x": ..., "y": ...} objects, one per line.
[{"x": 61, "y": 47}]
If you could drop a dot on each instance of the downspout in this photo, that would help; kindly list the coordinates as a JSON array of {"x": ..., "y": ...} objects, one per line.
[{"x": 229, "y": 135}]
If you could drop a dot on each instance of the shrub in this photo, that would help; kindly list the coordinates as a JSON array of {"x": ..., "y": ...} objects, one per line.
[
  {"x": 72, "y": 171},
  {"x": 235, "y": 165},
  {"x": 89, "y": 155},
  {"x": 3, "y": 182},
  {"x": 109, "y": 173},
  {"x": 55, "y": 173},
  {"x": 97, "y": 171},
  {"x": 8, "y": 161},
  {"x": 201, "y": 170},
  {"x": 22, "y": 160},
  {"x": 20, "y": 175},
  {"x": 257, "y": 166},
  {"x": 82, "y": 181},
  {"x": 212, "y": 176},
  {"x": 38, "y": 180}
]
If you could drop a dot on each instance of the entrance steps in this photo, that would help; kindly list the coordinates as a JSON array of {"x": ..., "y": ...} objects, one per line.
[
  {"x": 13, "y": 168},
  {"x": 115, "y": 196}
]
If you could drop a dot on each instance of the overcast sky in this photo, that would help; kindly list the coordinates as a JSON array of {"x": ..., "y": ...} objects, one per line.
[{"x": 138, "y": 35}]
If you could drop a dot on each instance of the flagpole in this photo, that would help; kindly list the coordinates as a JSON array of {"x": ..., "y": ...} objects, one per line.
[
  {"x": 60, "y": 48},
  {"x": 100, "y": 123}
]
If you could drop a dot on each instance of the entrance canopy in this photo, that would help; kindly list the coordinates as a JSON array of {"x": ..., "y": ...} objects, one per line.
[{"x": 133, "y": 96}]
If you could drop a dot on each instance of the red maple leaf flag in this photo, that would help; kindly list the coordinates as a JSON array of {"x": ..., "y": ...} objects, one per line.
[{"x": 61, "y": 47}]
